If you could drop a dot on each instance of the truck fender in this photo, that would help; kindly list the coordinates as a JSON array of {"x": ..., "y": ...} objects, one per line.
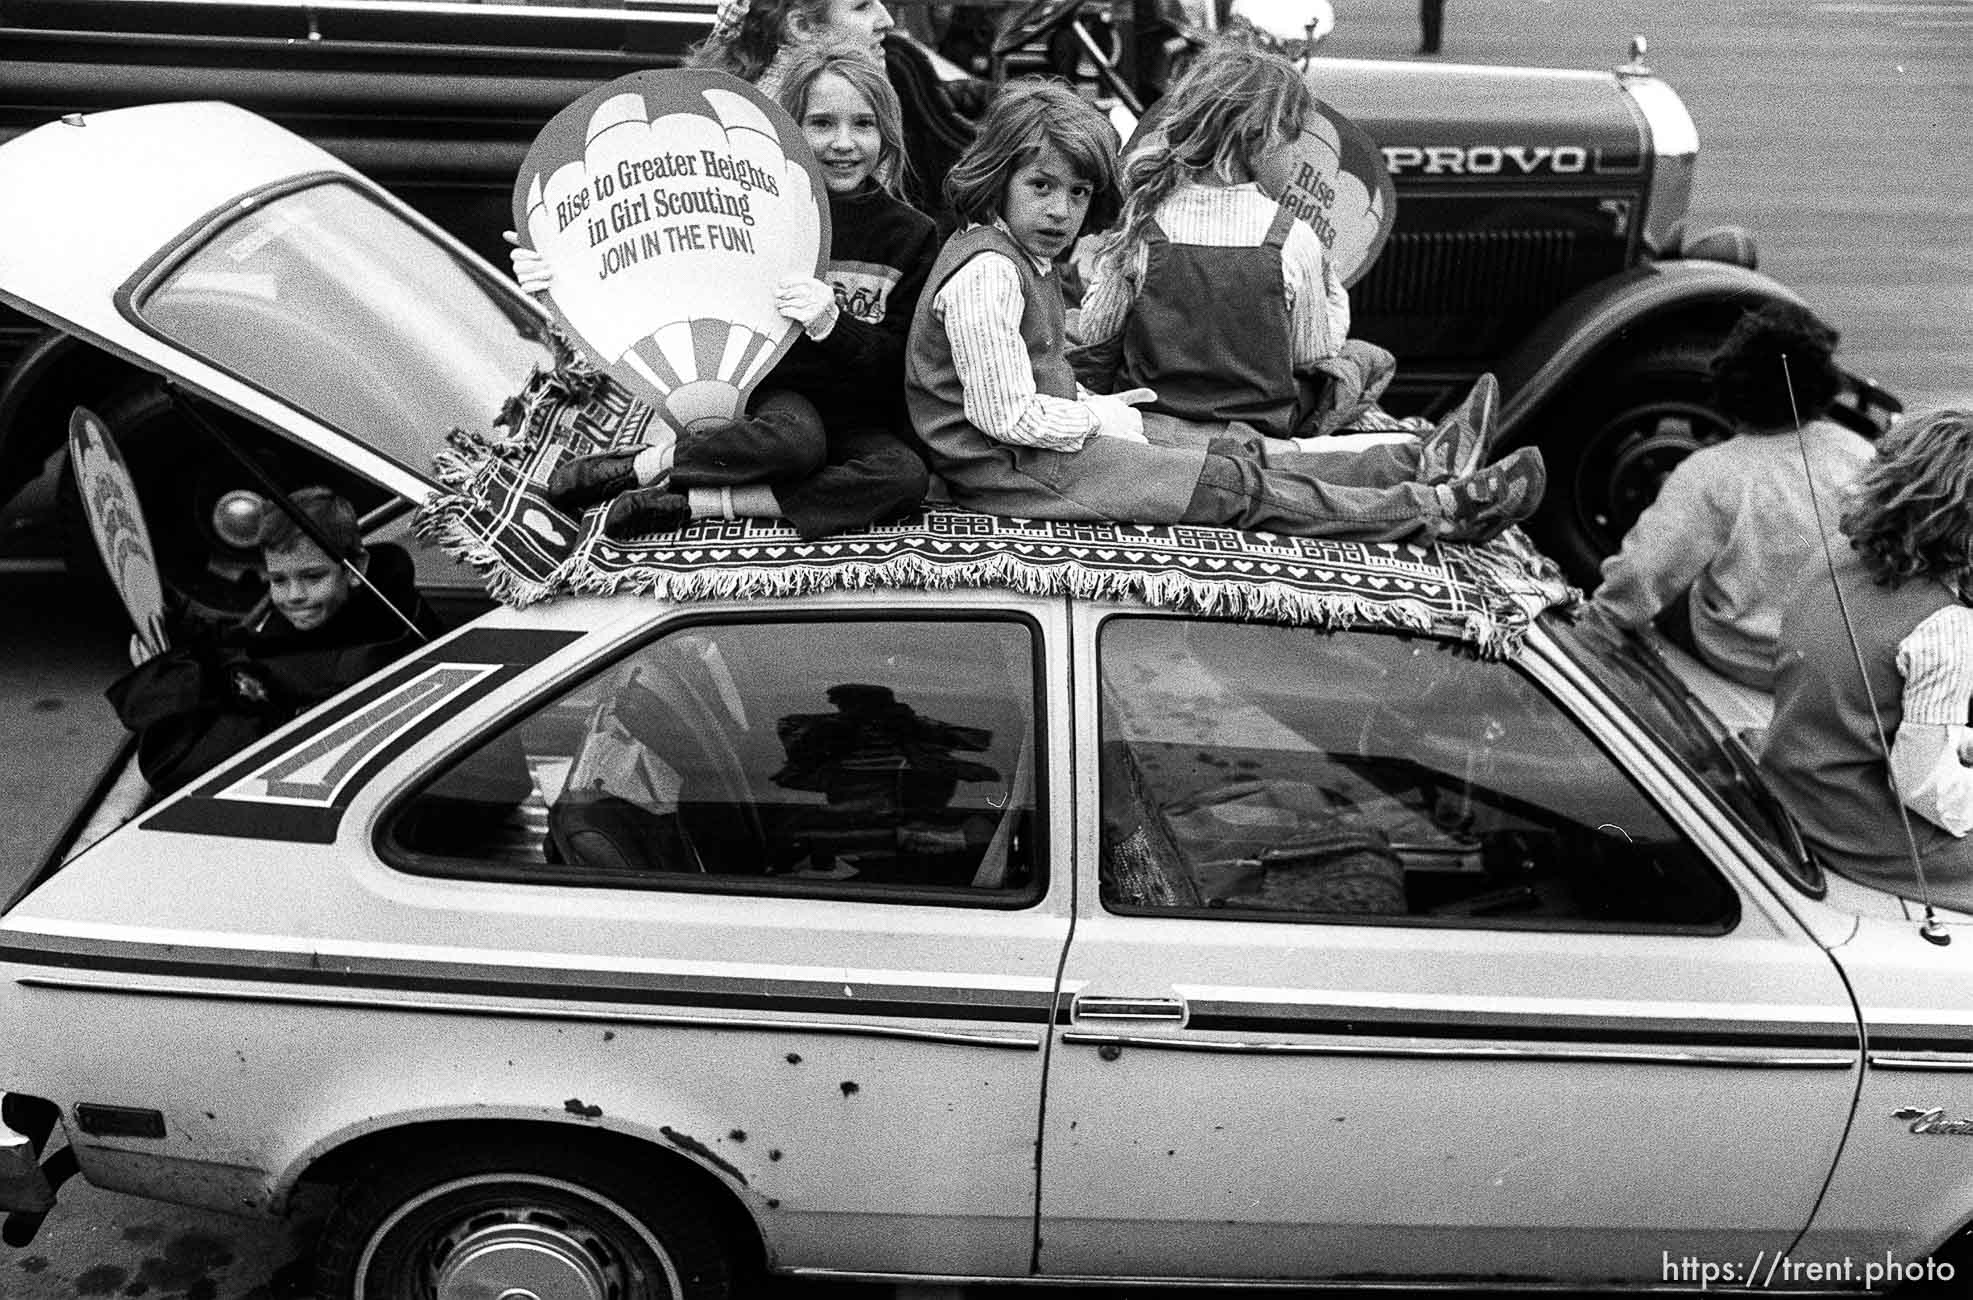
[
  {"x": 1647, "y": 304},
  {"x": 1616, "y": 390}
]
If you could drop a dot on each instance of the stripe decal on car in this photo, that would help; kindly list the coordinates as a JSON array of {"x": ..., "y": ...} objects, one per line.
[
  {"x": 1635, "y": 1030},
  {"x": 299, "y": 793},
  {"x": 1275, "y": 1021},
  {"x": 531, "y": 984},
  {"x": 532, "y": 988}
]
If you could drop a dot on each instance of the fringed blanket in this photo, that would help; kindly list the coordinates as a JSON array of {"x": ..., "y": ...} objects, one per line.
[{"x": 492, "y": 514}]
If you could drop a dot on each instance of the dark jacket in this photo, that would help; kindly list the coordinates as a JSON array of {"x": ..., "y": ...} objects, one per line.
[{"x": 204, "y": 700}]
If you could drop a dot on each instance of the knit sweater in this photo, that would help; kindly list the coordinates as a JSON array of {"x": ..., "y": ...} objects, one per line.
[
  {"x": 880, "y": 251},
  {"x": 1734, "y": 525}
]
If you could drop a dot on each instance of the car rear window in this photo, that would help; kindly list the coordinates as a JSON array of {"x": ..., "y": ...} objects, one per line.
[{"x": 335, "y": 304}]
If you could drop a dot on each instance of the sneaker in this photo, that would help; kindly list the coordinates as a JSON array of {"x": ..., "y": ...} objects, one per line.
[
  {"x": 584, "y": 481},
  {"x": 642, "y": 511},
  {"x": 1488, "y": 503},
  {"x": 1459, "y": 445}
]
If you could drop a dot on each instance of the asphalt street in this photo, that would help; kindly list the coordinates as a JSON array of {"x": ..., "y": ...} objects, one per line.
[{"x": 1835, "y": 131}]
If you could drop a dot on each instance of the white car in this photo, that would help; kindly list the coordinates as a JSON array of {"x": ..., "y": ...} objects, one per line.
[{"x": 1298, "y": 912}]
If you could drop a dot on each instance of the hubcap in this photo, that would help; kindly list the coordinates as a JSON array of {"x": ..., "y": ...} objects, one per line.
[
  {"x": 528, "y": 1256},
  {"x": 1640, "y": 450}
]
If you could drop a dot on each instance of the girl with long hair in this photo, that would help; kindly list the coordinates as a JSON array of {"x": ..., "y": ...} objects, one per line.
[
  {"x": 820, "y": 444},
  {"x": 1214, "y": 294},
  {"x": 1874, "y": 675}
]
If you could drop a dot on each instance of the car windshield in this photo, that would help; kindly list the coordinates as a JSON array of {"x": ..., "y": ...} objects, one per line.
[
  {"x": 329, "y": 301},
  {"x": 1694, "y": 735}
]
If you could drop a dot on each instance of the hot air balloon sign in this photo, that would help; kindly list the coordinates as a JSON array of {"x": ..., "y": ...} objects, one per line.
[
  {"x": 116, "y": 520},
  {"x": 1333, "y": 177},
  {"x": 669, "y": 204}
]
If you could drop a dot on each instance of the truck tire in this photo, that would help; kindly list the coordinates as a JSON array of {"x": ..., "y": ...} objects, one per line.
[
  {"x": 524, "y": 1217},
  {"x": 180, "y": 478},
  {"x": 1613, "y": 440}
]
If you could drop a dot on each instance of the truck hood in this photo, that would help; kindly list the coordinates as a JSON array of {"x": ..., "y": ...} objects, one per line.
[
  {"x": 1414, "y": 108},
  {"x": 92, "y": 206}
]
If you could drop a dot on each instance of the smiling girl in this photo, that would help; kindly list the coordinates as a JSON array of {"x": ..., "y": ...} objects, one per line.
[
  {"x": 1005, "y": 423},
  {"x": 819, "y": 445}
]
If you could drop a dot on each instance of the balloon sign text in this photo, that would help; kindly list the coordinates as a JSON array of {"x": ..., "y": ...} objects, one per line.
[
  {"x": 1334, "y": 178},
  {"x": 668, "y": 205}
]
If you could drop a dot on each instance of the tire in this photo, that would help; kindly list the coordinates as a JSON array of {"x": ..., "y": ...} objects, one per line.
[
  {"x": 527, "y": 1217},
  {"x": 1611, "y": 445}
]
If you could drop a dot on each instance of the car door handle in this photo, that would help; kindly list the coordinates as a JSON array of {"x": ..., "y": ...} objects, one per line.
[{"x": 1102, "y": 1008}]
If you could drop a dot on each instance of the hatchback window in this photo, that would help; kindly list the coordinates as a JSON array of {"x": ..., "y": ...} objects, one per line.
[
  {"x": 1284, "y": 773},
  {"x": 343, "y": 309},
  {"x": 891, "y": 760}
]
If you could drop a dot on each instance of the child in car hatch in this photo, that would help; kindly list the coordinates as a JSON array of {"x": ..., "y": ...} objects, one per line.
[{"x": 336, "y": 618}]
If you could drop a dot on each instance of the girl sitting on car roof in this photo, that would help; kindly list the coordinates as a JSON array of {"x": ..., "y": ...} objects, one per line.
[
  {"x": 1212, "y": 293},
  {"x": 819, "y": 443}
]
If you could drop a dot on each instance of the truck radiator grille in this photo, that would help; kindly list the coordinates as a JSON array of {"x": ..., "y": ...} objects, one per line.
[
  {"x": 1469, "y": 272},
  {"x": 1463, "y": 299}
]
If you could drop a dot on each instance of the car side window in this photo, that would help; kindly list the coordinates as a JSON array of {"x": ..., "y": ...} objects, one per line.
[
  {"x": 1284, "y": 773},
  {"x": 886, "y": 759}
]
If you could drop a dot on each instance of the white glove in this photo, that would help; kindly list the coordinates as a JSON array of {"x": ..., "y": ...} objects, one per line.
[
  {"x": 809, "y": 303},
  {"x": 1117, "y": 415},
  {"x": 530, "y": 267}
]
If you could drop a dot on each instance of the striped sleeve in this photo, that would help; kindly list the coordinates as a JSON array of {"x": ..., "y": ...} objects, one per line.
[
  {"x": 1318, "y": 305},
  {"x": 980, "y": 307},
  {"x": 1936, "y": 661}
]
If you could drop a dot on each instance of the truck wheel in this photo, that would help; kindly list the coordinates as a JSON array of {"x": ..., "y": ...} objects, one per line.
[
  {"x": 526, "y": 1218},
  {"x": 1613, "y": 442},
  {"x": 180, "y": 480}
]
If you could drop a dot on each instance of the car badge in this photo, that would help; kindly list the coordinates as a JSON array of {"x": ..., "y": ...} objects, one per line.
[{"x": 1934, "y": 1121}]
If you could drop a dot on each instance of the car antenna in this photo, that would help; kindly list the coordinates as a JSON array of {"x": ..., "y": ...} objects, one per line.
[
  {"x": 1931, "y": 929},
  {"x": 272, "y": 491}
]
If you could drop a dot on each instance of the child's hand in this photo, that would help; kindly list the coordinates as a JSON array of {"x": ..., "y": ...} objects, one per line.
[
  {"x": 1117, "y": 415},
  {"x": 808, "y": 302},
  {"x": 530, "y": 267}
]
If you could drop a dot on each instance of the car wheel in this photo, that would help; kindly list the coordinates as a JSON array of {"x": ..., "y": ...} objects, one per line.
[
  {"x": 526, "y": 1219},
  {"x": 1612, "y": 444},
  {"x": 181, "y": 479}
]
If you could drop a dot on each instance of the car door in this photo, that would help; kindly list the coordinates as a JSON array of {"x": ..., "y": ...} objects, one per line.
[
  {"x": 830, "y": 863},
  {"x": 1395, "y": 969}
]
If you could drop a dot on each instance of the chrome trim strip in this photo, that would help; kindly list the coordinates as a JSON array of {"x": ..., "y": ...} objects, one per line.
[
  {"x": 1018, "y": 1042},
  {"x": 1811, "y": 1061},
  {"x": 1675, "y": 149},
  {"x": 1940, "y": 1061},
  {"x": 1406, "y": 1285}
]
